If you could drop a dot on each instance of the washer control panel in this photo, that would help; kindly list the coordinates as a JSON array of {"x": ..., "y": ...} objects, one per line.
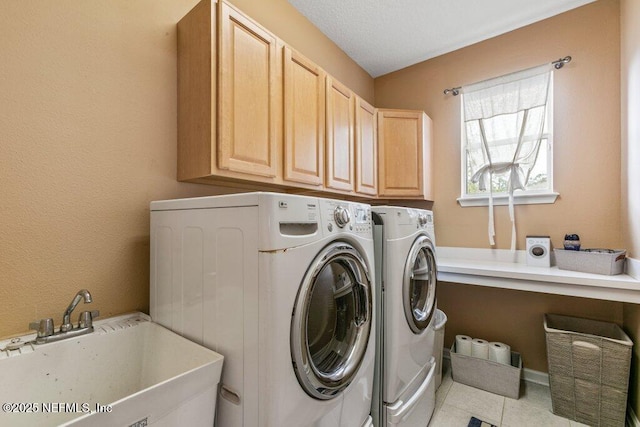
[
  {"x": 339, "y": 216},
  {"x": 361, "y": 218},
  {"x": 422, "y": 219}
]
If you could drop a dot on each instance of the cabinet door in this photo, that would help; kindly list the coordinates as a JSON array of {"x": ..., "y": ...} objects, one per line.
[
  {"x": 366, "y": 148},
  {"x": 304, "y": 119},
  {"x": 401, "y": 145},
  {"x": 339, "y": 140},
  {"x": 248, "y": 96}
]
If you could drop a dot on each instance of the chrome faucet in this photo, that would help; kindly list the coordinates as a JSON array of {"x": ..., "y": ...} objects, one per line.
[
  {"x": 45, "y": 329},
  {"x": 66, "y": 318}
]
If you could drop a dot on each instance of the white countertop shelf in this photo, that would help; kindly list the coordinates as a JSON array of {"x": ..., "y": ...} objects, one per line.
[{"x": 504, "y": 269}]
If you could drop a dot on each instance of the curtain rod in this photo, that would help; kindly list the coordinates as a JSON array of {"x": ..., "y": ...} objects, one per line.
[{"x": 557, "y": 64}]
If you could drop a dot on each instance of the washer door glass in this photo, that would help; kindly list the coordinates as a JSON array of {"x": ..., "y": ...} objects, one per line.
[
  {"x": 419, "y": 287},
  {"x": 331, "y": 321}
]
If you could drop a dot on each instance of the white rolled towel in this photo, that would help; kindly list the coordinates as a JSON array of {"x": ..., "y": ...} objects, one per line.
[
  {"x": 463, "y": 345},
  {"x": 480, "y": 348},
  {"x": 500, "y": 352}
]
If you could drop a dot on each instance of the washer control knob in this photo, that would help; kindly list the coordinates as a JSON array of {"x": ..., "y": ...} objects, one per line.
[
  {"x": 422, "y": 220},
  {"x": 342, "y": 216}
]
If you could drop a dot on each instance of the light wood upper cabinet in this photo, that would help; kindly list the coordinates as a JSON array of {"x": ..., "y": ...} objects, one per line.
[
  {"x": 229, "y": 97},
  {"x": 249, "y": 104},
  {"x": 304, "y": 119},
  {"x": 404, "y": 160},
  {"x": 366, "y": 148},
  {"x": 339, "y": 140},
  {"x": 252, "y": 111}
]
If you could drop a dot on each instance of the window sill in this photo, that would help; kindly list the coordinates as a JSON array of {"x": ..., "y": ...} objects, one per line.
[
  {"x": 508, "y": 270},
  {"x": 503, "y": 200}
]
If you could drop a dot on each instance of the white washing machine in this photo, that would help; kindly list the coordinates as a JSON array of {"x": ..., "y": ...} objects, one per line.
[
  {"x": 404, "y": 390},
  {"x": 283, "y": 287}
]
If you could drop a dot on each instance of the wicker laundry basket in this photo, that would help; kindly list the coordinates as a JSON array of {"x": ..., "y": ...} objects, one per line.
[{"x": 589, "y": 364}]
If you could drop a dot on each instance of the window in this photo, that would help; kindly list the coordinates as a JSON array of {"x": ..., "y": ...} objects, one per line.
[{"x": 507, "y": 140}]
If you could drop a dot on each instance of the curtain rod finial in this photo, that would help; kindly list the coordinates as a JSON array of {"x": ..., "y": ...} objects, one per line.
[
  {"x": 560, "y": 62},
  {"x": 455, "y": 91}
]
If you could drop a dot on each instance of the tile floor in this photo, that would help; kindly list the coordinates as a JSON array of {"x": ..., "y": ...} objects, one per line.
[{"x": 456, "y": 403}]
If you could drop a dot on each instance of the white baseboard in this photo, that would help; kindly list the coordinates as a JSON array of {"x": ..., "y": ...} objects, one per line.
[
  {"x": 537, "y": 377},
  {"x": 528, "y": 375}
]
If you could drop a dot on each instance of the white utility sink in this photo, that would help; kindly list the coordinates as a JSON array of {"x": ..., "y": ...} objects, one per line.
[{"x": 128, "y": 372}]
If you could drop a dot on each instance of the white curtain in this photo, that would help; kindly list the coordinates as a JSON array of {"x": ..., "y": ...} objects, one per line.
[{"x": 504, "y": 122}]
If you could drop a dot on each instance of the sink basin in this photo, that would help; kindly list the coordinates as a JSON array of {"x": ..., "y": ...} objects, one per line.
[{"x": 128, "y": 372}]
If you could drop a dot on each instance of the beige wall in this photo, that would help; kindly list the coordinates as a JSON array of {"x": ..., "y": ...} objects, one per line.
[
  {"x": 88, "y": 129},
  {"x": 630, "y": 85},
  {"x": 586, "y": 164},
  {"x": 513, "y": 317},
  {"x": 88, "y": 125},
  {"x": 586, "y": 126},
  {"x": 630, "y": 97}
]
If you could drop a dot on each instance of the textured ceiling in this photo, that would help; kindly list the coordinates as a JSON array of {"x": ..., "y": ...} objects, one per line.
[{"x": 386, "y": 35}]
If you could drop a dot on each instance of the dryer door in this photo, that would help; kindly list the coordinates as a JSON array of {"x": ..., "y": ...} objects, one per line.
[
  {"x": 331, "y": 321},
  {"x": 419, "y": 285}
]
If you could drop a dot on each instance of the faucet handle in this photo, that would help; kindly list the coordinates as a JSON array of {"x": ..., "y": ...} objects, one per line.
[
  {"x": 86, "y": 318},
  {"x": 44, "y": 327}
]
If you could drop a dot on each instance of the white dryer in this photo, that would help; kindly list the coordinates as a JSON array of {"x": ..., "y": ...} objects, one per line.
[
  {"x": 282, "y": 286},
  {"x": 404, "y": 390}
]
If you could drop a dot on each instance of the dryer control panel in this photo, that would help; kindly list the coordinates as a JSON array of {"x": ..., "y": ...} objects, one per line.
[{"x": 424, "y": 221}]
